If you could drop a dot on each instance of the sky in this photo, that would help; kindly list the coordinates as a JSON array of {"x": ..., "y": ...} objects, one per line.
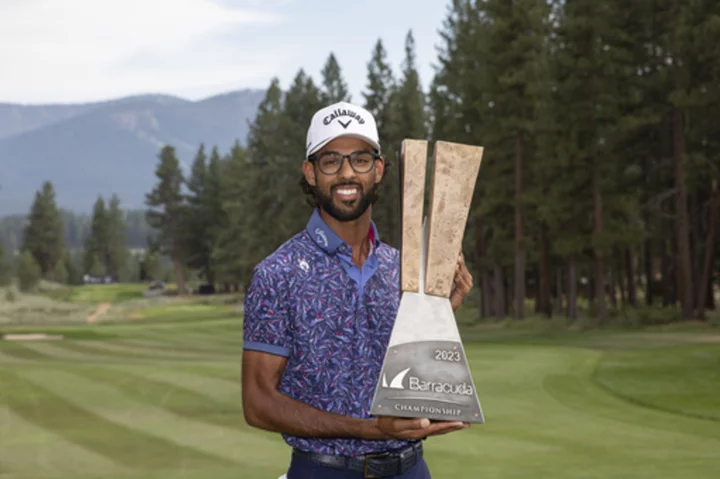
[{"x": 73, "y": 51}]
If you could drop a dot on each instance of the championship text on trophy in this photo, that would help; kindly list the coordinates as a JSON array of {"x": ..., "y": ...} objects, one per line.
[{"x": 425, "y": 372}]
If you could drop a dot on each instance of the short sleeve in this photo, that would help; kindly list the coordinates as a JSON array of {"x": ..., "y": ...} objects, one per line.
[{"x": 266, "y": 315}]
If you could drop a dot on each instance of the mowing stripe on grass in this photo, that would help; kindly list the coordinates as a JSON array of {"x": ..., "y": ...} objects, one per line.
[
  {"x": 58, "y": 408},
  {"x": 115, "y": 405},
  {"x": 114, "y": 347},
  {"x": 59, "y": 353},
  {"x": 101, "y": 352},
  {"x": 27, "y": 447},
  {"x": 230, "y": 372},
  {"x": 214, "y": 388},
  {"x": 578, "y": 392},
  {"x": 22, "y": 352},
  {"x": 193, "y": 346},
  {"x": 6, "y": 359},
  {"x": 180, "y": 400},
  {"x": 172, "y": 345}
]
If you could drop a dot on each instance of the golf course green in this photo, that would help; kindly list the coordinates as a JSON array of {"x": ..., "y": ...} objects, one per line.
[{"x": 158, "y": 396}]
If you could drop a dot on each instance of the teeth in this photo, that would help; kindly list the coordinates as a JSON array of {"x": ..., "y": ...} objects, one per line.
[{"x": 347, "y": 191}]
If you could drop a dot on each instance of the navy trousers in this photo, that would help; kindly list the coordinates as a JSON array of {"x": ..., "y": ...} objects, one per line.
[{"x": 301, "y": 468}]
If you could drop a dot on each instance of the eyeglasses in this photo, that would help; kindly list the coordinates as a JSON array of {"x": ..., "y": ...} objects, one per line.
[{"x": 331, "y": 162}]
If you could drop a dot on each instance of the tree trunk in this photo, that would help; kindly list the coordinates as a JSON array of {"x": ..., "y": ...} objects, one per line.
[
  {"x": 544, "y": 275},
  {"x": 485, "y": 304},
  {"x": 559, "y": 292},
  {"x": 621, "y": 277},
  {"x": 572, "y": 291},
  {"x": 598, "y": 233},
  {"x": 179, "y": 276},
  {"x": 630, "y": 270},
  {"x": 612, "y": 291},
  {"x": 499, "y": 292},
  {"x": 705, "y": 283},
  {"x": 681, "y": 218},
  {"x": 668, "y": 274},
  {"x": 695, "y": 256},
  {"x": 649, "y": 280},
  {"x": 519, "y": 289},
  {"x": 486, "y": 293}
]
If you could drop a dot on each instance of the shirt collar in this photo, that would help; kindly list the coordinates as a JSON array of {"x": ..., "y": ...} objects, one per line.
[{"x": 328, "y": 240}]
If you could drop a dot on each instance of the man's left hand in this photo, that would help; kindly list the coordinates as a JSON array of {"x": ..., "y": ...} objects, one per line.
[{"x": 462, "y": 283}]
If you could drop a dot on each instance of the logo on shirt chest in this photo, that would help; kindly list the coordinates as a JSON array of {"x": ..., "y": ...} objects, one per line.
[{"x": 321, "y": 237}]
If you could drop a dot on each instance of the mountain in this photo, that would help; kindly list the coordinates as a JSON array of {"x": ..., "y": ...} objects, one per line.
[{"x": 110, "y": 147}]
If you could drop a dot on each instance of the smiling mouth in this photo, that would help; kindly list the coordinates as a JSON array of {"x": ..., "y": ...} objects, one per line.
[{"x": 346, "y": 193}]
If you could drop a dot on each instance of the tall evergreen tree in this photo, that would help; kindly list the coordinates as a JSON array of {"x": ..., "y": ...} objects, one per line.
[
  {"x": 261, "y": 196},
  {"x": 198, "y": 243},
  {"x": 233, "y": 259},
  {"x": 216, "y": 220},
  {"x": 379, "y": 98},
  {"x": 166, "y": 211},
  {"x": 117, "y": 255},
  {"x": 411, "y": 116},
  {"x": 96, "y": 244},
  {"x": 302, "y": 100},
  {"x": 335, "y": 88},
  {"x": 516, "y": 37},
  {"x": 43, "y": 234}
]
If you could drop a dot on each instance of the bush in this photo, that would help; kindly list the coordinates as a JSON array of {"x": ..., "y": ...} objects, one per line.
[
  {"x": 10, "y": 295},
  {"x": 28, "y": 272}
]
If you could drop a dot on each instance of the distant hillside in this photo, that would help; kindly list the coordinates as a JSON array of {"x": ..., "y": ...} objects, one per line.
[{"x": 109, "y": 147}]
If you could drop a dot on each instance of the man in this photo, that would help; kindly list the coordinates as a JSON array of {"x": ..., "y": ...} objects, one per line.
[{"x": 319, "y": 312}]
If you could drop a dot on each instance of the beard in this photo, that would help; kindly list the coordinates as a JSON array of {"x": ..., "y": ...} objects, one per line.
[{"x": 346, "y": 210}]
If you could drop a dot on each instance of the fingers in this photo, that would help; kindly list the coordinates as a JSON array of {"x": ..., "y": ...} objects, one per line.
[
  {"x": 463, "y": 280},
  {"x": 400, "y": 425},
  {"x": 417, "y": 428},
  {"x": 440, "y": 428}
]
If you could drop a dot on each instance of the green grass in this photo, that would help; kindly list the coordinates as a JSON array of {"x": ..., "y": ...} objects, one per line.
[
  {"x": 100, "y": 293},
  {"x": 162, "y": 399}
]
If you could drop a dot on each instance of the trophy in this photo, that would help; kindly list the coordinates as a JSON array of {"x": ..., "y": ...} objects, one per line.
[{"x": 425, "y": 372}]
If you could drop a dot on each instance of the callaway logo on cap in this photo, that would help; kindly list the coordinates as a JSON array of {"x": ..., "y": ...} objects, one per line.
[{"x": 341, "y": 119}]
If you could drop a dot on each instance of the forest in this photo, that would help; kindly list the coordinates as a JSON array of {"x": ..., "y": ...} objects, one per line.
[{"x": 598, "y": 190}]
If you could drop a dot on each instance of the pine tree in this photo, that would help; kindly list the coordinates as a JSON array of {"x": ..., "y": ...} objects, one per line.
[
  {"x": 302, "y": 100},
  {"x": 197, "y": 221},
  {"x": 379, "y": 88},
  {"x": 515, "y": 41},
  {"x": 214, "y": 213},
  {"x": 232, "y": 258},
  {"x": 411, "y": 117},
  {"x": 5, "y": 271},
  {"x": 96, "y": 244},
  {"x": 379, "y": 100},
  {"x": 335, "y": 88},
  {"x": 43, "y": 234},
  {"x": 259, "y": 195},
  {"x": 166, "y": 211},
  {"x": 117, "y": 253}
]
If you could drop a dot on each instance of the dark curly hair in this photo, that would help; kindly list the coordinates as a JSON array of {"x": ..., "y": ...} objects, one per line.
[{"x": 309, "y": 190}]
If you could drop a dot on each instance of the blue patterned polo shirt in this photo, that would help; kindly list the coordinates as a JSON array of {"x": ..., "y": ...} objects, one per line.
[{"x": 308, "y": 302}]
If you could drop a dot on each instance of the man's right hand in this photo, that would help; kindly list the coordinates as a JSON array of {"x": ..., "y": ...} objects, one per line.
[{"x": 412, "y": 429}]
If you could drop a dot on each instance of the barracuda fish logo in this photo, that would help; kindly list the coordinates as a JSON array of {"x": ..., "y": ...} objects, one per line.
[{"x": 397, "y": 381}]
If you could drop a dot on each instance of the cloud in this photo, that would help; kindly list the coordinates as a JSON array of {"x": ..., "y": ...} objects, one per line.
[{"x": 80, "y": 49}]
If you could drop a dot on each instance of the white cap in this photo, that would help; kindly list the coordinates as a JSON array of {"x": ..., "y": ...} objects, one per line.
[{"x": 341, "y": 119}]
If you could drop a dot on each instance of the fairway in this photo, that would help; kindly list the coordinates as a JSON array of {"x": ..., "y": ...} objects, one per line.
[{"x": 162, "y": 400}]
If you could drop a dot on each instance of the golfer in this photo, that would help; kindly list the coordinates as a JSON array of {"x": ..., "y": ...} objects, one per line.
[{"x": 319, "y": 312}]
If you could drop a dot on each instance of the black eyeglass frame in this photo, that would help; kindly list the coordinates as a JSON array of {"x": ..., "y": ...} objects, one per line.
[{"x": 350, "y": 157}]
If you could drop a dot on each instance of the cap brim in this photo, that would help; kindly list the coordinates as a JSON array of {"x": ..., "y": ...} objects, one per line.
[{"x": 321, "y": 144}]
